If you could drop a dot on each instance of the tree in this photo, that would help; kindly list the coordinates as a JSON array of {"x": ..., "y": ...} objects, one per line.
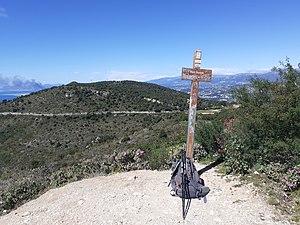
[{"x": 269, "y": 117}]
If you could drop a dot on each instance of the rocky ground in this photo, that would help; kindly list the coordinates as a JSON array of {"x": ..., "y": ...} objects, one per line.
[{"x": 142, "y": 197}]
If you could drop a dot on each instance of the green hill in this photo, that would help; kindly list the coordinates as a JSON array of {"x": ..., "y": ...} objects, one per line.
[
  {"x": 38, "y": 152},
  {"x": 99, "y": 97}
]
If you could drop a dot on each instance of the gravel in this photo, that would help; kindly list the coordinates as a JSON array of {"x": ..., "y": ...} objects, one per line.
[{"x": 142, "y": 197}]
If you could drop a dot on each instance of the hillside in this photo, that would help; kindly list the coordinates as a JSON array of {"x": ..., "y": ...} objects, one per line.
[
  {"x": 99, "y": 97},
  {"x": 50, "y": 150},
  {"x": 68, "y": 133}
]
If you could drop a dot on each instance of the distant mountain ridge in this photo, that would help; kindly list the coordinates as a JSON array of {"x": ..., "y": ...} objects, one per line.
[
  {"x": 11, "y": 88},
  {"x": 220, "y": 86},
  {"x": 217, "y": 80}
]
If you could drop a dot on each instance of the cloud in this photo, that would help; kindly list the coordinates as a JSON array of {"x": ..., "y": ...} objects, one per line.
[
  {"x": 4, "y": 81},
  {"x": 231, "y": 71},
  {"x": 3, "y": 12},
  {"x": 18, "y": 83},
  {"x": 134, "y": 75}
]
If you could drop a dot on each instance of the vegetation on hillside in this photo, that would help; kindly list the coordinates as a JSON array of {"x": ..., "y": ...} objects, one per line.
[
  {"x": 99, "y": 97},
  {"x": 40, "y": 152},
  {"x": 263, "y": 135},
  {"x": 37, "y": 153},
  {"x": 266, "y": 128},
  {"x": 260, "y": 138}
]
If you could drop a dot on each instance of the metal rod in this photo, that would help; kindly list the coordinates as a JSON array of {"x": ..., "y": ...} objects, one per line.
[{"x": 183, "y": 162}]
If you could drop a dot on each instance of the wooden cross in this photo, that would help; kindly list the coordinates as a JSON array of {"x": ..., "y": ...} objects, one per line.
[{"x": 196, "y": 75}]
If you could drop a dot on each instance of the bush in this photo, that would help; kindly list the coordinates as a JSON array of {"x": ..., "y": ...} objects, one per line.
[
  {"x": 232, "y": 149},
  {"x": 158, "y": 157},
  {"x": 20, "y": 193},
  {"x": 207, "y": 133},
  {"x": 292, "y": 178},
  {"x": 269, "y": 118}
]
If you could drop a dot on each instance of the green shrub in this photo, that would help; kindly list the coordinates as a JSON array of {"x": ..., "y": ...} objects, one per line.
[
  {"x": 206, "y": 135},
  {"x": 233, "y": 151},
  {"x": 269, "y": 119},
  {"x": 292, "y": 178},
  {"x": 20, "y": 193},
  {"x": 158, "y": 157}
]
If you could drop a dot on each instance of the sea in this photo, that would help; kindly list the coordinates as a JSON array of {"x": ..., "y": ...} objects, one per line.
[{"x": 10, "y": 95}]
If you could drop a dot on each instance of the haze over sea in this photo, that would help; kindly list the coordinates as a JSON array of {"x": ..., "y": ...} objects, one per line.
[{"x": 9, "y": 95}]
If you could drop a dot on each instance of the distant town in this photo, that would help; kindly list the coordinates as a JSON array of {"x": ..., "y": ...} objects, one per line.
[{"x": 220, "y": 87}]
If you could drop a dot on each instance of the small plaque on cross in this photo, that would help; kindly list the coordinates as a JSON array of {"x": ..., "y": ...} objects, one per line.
[{"x": 196, "y": 74}]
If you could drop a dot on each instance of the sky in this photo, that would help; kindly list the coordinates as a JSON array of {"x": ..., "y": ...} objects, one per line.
[{"x": 60, "y": 41}]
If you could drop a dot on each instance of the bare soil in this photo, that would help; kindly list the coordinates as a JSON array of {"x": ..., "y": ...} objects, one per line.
[{"x": 142, "y": 197}]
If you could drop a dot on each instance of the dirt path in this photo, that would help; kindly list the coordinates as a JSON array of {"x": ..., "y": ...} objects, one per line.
[
  {"x": 83, "y": 113},
  {"x": 142, "y": 197}
]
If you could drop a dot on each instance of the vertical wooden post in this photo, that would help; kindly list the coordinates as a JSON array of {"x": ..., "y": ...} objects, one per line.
[
  {"x": 193, "y": 106},
  {"x": 196, "y": 75},
  {"x": 192, "y": 118}
]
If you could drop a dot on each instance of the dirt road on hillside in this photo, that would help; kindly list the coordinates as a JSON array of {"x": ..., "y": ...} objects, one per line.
[{"x": 142, "y": 197}]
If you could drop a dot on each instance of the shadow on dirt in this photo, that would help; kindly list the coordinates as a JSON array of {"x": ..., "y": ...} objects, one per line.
[{"x": 210, "y": 166}]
